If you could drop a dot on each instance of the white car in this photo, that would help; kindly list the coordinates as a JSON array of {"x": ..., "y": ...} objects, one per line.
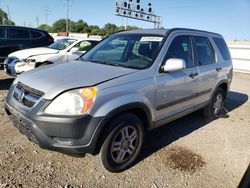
[{"x": 63, "y": 50}]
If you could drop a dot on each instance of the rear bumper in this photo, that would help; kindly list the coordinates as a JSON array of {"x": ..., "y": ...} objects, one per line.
[{"x": 70, "y": 135}]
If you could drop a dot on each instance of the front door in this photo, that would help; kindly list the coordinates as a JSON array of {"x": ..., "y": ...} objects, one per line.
[{"x": 177, "y": 91}]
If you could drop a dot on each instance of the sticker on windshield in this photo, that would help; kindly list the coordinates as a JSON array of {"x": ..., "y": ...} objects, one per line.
[{"x": 151, "y": 39}]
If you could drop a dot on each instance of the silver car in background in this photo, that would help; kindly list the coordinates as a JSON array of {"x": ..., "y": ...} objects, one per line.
[{"x": 130, "y": 83}]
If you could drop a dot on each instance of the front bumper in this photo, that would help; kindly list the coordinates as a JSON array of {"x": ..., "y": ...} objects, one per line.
[
  {"x": 70, "y": 135},
  {"x": 9, "y": 67}
]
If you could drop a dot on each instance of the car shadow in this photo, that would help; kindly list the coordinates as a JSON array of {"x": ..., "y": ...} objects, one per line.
[
  {"x": 6, "y": 83},
  {"x": 165, "y": 135}
]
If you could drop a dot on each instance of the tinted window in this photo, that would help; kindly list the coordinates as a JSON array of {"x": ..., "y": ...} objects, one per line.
[
  {"x": 35, "y": 34},
  {"x": 205, "y": 52},
  {"x": 181, "y": 48},
  {"x": 18, "y": 33},
  {"x": 221, "y": 45},
  {"x": 3, "y": 33}
]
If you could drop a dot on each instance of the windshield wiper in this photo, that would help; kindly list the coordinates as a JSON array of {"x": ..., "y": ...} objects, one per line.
[{"x": 104, "y": 62}]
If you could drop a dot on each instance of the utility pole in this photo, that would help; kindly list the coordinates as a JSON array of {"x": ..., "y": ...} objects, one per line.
[
  {"x": 9, "y": 13},
  {"x": 37, "y": 21},
  {"x": 46, "y": 13},
  {"x": 67, "y": 19}
]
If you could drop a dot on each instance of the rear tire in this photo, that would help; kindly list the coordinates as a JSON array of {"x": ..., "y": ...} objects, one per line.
[
  {"x": 214, "y": 108},
  {"x": 123, "y": 143}
]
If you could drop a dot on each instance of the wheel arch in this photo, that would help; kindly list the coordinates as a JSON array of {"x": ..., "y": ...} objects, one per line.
[{"x": 136, "y": 108}]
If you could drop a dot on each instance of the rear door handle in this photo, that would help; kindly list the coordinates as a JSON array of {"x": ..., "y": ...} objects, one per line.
[
  {"x": 192, "y": 75},
  {"x": 218, "y": 69}
]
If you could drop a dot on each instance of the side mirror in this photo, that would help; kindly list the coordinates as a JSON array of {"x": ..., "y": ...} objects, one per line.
[
  {"x": 173, "y": 64},
  {"x": 74, "y": 49}
]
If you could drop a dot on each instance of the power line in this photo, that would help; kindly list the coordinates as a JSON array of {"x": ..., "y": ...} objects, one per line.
[
  {"x": 8, "y": 13},
  {"x": 46, "y": 13},
  {"x": 37, "y": 21},
  {"x": 67, "y": 20}
]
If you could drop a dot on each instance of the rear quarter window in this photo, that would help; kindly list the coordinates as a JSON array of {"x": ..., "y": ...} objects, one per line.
[
  {"x": 222, "y": 46},
  {"x": 35, "y": 34}
]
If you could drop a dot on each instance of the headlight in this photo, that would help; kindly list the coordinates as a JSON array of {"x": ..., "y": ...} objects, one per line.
[{"x": 74, "y": 102}]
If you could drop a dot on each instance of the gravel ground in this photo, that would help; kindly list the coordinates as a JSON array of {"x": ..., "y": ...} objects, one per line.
[{"x": 185, "y": 153}]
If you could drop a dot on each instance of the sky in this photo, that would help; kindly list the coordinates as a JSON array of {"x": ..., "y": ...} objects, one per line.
[{"x": 231, "y": 18}]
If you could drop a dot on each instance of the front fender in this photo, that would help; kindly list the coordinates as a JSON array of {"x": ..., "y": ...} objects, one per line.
[{"x": 123, "y": 103}]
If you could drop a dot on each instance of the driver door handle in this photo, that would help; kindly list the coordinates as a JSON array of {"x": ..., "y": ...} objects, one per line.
[
  {"x": 218, "y": 69},
  {"x": 192, "y": 75}
]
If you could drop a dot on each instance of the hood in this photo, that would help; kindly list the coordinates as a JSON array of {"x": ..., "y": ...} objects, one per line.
[
  {"x": 24, "y": 54},
  {"x": 55, "y": 79}
]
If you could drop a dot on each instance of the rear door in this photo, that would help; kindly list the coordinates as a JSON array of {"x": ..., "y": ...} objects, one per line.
[
  {"x": 18, "y": 39},
  {"x": 177, "y": 91},
  {"x": 206, "y": 60}
]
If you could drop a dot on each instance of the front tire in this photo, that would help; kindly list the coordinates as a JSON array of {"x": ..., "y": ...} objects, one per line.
[
  {"x": 123, "y": 143},
  {"x": 214, "y": 108}
]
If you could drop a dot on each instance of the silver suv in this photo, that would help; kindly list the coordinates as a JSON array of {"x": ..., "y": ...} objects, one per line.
[{"x": 131, "y": 82}]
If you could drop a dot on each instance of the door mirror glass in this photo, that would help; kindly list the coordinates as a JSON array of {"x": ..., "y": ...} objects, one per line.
[{"x": 173, "y": 64}]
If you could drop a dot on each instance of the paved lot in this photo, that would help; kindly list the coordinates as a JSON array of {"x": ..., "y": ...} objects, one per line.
[{"x": 185, "y": 153}]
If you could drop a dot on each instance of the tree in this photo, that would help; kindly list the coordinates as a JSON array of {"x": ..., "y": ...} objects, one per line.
[
  {"x": 95, "y": 30},
  {"x": 109, "y": 28},
  {"x": 45, "y": 27},
  {"x": 4, "y": 18},
  {"x": 80, "y": 27}
]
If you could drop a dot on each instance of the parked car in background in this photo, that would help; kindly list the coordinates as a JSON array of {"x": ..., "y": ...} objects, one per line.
[
  {"x": 130, "y": 83},
  {"x": 14, "y": 38},
  {"x": 61, "y": 51}
]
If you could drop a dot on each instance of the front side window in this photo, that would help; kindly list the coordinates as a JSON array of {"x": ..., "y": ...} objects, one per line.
[
  {"x": 14, "y": 33},
  {"x": 3, "y": 33},
  {"x": 181, "y": 48},
  {"x": 136, "y": 51},
  {"x": 205, "y": 52},
  {"x": 62, "y": 44}
]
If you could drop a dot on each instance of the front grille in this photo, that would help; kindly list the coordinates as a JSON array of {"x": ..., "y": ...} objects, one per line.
[{"x": 27, "y": 95}]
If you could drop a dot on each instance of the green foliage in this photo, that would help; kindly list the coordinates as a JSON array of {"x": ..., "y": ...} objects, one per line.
[
  {"x": 82, "y": 27},
  {"x": 59, "y": 26},
  {"x": 94, "y": 30},
  {"x": 109, "y": 28},
  {"x": 45, "y": 27},
  {"x": 4, "y": 18}
]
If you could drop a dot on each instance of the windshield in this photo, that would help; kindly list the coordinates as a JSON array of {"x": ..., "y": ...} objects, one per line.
[
  {"x": 62, "y": 44},
  {"x": 135, "y": 51}
]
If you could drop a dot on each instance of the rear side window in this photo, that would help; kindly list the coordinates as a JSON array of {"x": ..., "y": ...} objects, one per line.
[
  {"x": 221, "y": 45},
  {"x": 35, "y": 34},
  {"x": 181, "y": 48},
  {"x": 3, "y": 33},
  {"x": 205, "y": 51},
  {"x": 14, "y": 33}
]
